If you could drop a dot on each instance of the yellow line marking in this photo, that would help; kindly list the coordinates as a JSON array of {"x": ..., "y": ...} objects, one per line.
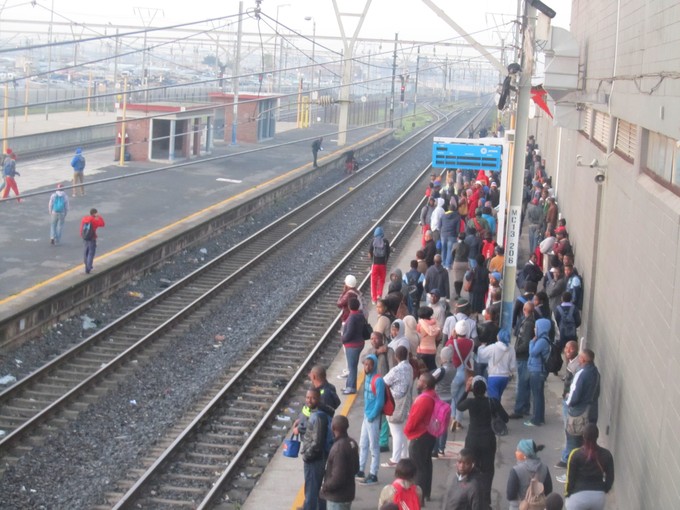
[
  {"x": 299, "y": 500},
  {"x": 78, "y": 268}
]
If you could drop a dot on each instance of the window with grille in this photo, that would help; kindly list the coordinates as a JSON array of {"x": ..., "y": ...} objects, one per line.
[
  {"x": 661, "y": 158},
  {"x": 587, "y": 122},
  {"x": 626, "y": 140},
  {"x": 601, "y": 129}
]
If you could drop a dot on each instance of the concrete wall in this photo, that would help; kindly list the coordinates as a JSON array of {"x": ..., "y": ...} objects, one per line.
[{"x": 631, "y": 265}]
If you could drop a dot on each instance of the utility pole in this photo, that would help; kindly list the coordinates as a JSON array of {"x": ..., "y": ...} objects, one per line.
[
  {"x": 394, "y": 77},
  {"x": 415, "y": 86},
  {"x": 49, "y": 63},
  {"x": 517, "y": 182},
  {"x": 234, "y": 78},
  {"x": 150, "y": 14}
]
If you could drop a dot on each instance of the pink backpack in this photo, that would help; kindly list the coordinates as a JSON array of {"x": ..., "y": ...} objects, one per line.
[{"x": 441, "y": 416}]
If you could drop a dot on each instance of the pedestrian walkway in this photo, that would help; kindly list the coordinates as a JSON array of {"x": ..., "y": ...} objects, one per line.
[{"x": 139, "y": 198}]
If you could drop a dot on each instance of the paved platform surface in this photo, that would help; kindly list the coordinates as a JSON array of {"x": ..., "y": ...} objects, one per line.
[
  {"x": 139, "y": 203},
  {"x": 281, "y": 485}
]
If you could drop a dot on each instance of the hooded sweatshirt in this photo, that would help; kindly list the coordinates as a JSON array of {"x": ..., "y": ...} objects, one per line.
[
  {"x": 500, "y": 357},
  {"x": 539, "y": 347},
  {"x": 520, "y": 476},
  {"x": 436, "y": 219},
  {"x": 410, "y": 325},
  {"x": 373, "y": 402},
  {"x": 400, "y": 339}
]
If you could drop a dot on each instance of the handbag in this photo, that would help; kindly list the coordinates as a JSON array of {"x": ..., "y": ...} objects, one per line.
[
  {"x": 576, "y": 424},
  {"x": 291, "y": 447},
  {"x": 497, "y": 424}
]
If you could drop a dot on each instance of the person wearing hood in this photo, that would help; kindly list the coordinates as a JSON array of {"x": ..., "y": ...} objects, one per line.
[
  {"x": 397, "y": 339},
  {"x": 374, "y": 401},
  {"x": 58, "y": 209},
  {"x": 78, "y": 165},
  {"x": 411, "y": 333},
  {"x": 501, "y": 363},
  {"x": 436, "y": 220},
  {"x": 437, "y": 277},
  {"x": 539, "y": 350},
  {"x": 379, "y": 253},
  {"x": 528, "y": 465},
  {"x": 395, "y": 294},
  {"x": 426, "y": 216}
]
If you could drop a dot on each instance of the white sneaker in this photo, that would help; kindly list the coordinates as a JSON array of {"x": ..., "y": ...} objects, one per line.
[{"x": 342, "y": 376}]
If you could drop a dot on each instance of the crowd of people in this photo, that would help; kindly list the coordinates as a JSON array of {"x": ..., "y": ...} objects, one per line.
[{"x": 437, "y": 353}]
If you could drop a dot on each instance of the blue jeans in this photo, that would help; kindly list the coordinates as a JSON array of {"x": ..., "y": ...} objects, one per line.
[
  {"x": 333, "y": 505},
  {"x": 88, "y": 256},
  {"x": 314, "y": 472},
  {"x": 56, "y": 226},
  {"x": 370, "y": 438},
  {"x": 473, "y": 263},
  {"x": 537, "y": 383},
  {"x": 457, "y": 391},
  {"x": 522, "y": 404},
  {"x": 440, "y": 442},
  {"x": 496, "y": 386},
  {"x": 447, "y": 248},
  {"x": 352, "y": 355}
]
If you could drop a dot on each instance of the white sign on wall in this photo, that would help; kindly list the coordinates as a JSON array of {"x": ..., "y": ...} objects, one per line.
[{"x": 512, "y": 250}]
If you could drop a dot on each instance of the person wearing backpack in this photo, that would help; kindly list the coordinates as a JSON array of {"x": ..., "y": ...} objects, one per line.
[
  {"x": 417, "y": 431},
  {"x": 403, "y": 491},
  {"x": 481, "y": 439},
  {"x": 379, "y": 253},
  {"x": 9, "y": 172},
  {"x": 58, "y": 209},
  {"x": 88, "y": 232},
  {"x": 78, "y": 165},
  {"x": 444, "y": 376},
  {"x": 414, "y": 280},
  {"x": 568, "y": 319},
  {"x": 400, "y": 381},
  {"x": 539, "y": 352},
  {"x": 374, "y": 401},
  {"x": 522, "y": 488}
]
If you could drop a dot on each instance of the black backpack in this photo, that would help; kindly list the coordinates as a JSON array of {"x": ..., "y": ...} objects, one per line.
[
  {"x": 88, "y": 232},
  {"x": 567, "y": 322},
  {"x": 412, "y": 278},
  {"x": 554, "y": 362}
]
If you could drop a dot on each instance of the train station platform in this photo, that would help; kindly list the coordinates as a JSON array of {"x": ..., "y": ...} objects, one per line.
[
  {"x": 139, "y": 202},
  {"x": 281, "y": 485}
]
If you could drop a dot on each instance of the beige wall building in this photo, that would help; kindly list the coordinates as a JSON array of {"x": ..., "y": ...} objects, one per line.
[{"x": 626, "y": 231}]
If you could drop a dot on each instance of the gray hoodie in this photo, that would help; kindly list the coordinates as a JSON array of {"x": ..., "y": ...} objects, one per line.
[{"x": 58, "y": 193}]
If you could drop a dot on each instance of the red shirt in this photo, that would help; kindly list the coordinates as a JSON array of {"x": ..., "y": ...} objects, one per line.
[
  {"x": 465, "y": 345},
  {"x": 420, "y": 414},
  {"x": 97, "y": 221}
]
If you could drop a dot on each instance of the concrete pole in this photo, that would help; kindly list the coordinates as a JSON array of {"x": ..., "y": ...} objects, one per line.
[
  {"x": 343, "y": 121},
  {"x": 415, "y": 87},
  {"x": 121, "y": 159},
  {"x": 394, "y": 77},
  {"x": 235, "y": 78},
  {"x": 517, "y": 172}
]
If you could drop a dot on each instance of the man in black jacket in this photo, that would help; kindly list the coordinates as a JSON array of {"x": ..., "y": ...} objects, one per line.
[
  {"x": 314, "y": 450},
  {"x": 343, "y": 462}
]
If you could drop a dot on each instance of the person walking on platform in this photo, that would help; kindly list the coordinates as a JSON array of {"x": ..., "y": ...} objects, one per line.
[
  {"x": 9, "y": 172},
  {"x": 339, "y": 487},
  {"x": 316, "y": 147},
  {"x": 88, "y": 231},
  {"x": 58, "y": 209},
  {"x": 78, "y": 165},
  {"x": 379, "y": 253}
]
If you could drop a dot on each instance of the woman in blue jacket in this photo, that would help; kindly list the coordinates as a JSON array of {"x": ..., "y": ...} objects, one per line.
[{"x": 539, "y": 351}]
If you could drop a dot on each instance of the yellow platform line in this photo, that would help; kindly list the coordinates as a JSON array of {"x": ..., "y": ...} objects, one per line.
[
  {"x": 78, "y": 268},
  {"x": 299, "y": 500}
]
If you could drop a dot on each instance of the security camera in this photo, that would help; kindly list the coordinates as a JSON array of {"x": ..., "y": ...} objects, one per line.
[
  {"x": 599, "y": 177},
  {"x": 594, "y": 164}
]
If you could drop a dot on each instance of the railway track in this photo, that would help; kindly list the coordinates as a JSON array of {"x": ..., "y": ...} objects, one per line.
[
  {"x": 53, "y": 395},
  {"x": 205, "y": 463}
]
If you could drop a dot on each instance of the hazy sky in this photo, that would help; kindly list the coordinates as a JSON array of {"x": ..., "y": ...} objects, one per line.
[{"x": 412, "y": 19}]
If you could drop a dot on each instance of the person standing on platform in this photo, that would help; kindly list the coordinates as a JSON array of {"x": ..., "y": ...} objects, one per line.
[
  {"x": 78, "y": 165},
  {"x": 379, "y": 253},
  {"x": 88, "y": 231},
  {"x": 58, "y": 209},
  {"x": 339, "y": 488},
  {"x": 9, "y": 172},
  {"x": 374, "y": 401},
  {"x": 421, "y": 441},
  {"x": 316, "y": 147},
  {"x": 313, "y": 451},
  {"x": 465, "y": 491}
]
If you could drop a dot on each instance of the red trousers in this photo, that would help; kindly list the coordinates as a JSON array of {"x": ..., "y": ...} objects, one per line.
[
  {"x": 10, "y": 184},
  {"x": 378, "y": 272}
]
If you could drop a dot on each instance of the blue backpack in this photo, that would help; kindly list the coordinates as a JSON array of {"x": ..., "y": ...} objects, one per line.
[{"x": 59, "y": 203}]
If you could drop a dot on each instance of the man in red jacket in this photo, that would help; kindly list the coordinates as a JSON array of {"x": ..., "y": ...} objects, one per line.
[
  {"x": 422, "y": 442},
  {"x": 93, "y": 222}
]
